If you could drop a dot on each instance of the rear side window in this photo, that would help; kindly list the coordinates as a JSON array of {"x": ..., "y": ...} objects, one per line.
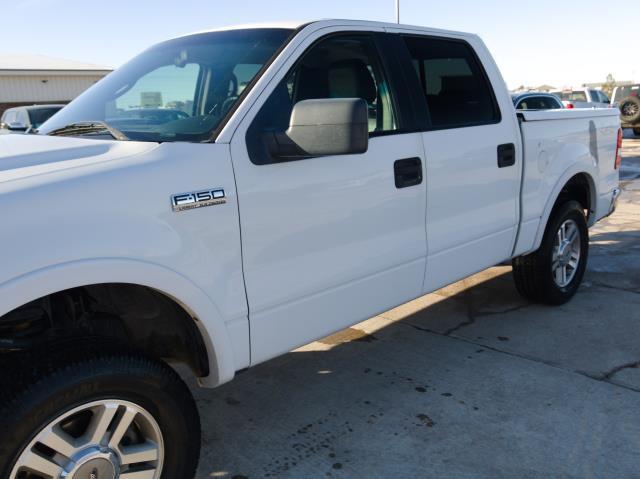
[{"x": 456, "y": 87}]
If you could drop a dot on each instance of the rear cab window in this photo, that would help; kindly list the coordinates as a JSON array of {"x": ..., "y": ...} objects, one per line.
[
  {"x": 538, "y": 103},
  {"x": 456, "y": 88}
]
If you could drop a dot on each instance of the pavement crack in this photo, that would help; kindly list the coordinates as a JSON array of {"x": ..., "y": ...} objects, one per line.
[
  {"x": 467, "y": 300},
  {"x": 612, "y": 372},
  {"x": 617, "y": 288},
  {"x": 606, "y": 378},
  {"x": 505, "y": 311},
  {"x": 473, "y": 315}
]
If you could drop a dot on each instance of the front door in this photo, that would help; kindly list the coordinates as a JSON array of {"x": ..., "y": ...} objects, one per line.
[{"x": 328, "y": 241}]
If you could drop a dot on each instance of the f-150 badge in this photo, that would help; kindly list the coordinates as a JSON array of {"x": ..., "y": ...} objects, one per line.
[{"x": 198, "y": 199}]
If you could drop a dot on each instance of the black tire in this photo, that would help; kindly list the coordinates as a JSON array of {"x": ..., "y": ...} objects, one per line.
[
  {"x": 636, "y": 131},
  {"x": 630, "y": 109},
  {"x": 533, "y": 274},
  {"x": 35, "y": 392}
]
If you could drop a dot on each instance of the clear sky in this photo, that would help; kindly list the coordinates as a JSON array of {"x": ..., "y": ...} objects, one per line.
[{"x": 562, "y": 43}]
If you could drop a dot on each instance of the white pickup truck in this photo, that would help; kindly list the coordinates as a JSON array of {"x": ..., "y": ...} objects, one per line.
[{"x": 227, "y": 196}]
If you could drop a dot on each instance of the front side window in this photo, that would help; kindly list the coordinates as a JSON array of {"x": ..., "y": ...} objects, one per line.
[
  {"x": 455, "y": 86},
  {"x": 179, "y": 90},
  {"x": 344, "y": 66}
]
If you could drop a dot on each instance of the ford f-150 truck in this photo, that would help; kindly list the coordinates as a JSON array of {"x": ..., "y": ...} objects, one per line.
[{"x": 320, "y": 174}]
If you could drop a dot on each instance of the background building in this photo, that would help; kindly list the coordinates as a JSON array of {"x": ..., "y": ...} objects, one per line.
[{"x": 36, "y": 79}]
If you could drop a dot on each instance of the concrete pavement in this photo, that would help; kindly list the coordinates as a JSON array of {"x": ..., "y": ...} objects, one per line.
[{"x": 470, "y": 381}]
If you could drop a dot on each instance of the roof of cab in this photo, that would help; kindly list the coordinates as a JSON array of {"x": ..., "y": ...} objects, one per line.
[{"x": 293, "y": 25}]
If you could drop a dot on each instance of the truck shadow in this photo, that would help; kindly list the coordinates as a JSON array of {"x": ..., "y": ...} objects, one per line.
[{"x": 420, "y": 383}]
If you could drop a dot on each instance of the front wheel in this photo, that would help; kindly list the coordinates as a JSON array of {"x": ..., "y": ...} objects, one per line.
[
  {"x": 113, "y": 416},
  {"x": 553, "y": 273}
]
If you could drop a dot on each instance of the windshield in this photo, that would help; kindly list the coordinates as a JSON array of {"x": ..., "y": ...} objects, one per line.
[
  {"x": 625, "y": 91},
  {"x": 40, "y": 115},
  {"x": 179, "y": 90}
]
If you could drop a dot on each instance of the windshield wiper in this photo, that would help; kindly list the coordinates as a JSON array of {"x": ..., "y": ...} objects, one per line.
[{"x": 88, "y": 128}]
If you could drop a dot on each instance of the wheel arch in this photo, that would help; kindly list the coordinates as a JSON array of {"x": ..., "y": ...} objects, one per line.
[
  {"x": 176, "y": 288},
  {"x": 575, "y": 184}
]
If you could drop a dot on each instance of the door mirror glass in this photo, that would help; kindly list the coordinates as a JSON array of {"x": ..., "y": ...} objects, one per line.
[{"x": 323, "y": 127}]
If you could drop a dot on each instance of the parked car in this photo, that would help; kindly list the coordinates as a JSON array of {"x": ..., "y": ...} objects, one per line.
[
  {"x": 150, "y": 115},
  {"x": 536, "y": 101},
  {"x": 21, "y": 118},
  {"x": 627, "y": 99},
  {"x": 583, "y": 98},
  {"x": 362, "y": 170}
]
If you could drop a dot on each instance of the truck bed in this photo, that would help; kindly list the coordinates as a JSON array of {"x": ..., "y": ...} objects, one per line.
[{"x": 552, "y": 140}]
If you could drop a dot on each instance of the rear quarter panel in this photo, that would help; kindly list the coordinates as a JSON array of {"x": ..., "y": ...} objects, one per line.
[{"x": 559, "y": 144}]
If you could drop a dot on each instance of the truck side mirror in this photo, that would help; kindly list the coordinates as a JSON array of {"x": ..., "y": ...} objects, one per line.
[{"x": 323, "y": 127}]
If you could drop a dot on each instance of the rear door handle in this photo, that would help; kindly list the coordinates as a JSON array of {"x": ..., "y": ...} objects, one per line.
[
  {"x": 408, "y": 172},
  {"x": 506, "y": 155}
]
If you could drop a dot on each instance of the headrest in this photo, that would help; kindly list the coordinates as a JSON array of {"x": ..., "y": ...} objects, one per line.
[{"x": 351, "y": 79}]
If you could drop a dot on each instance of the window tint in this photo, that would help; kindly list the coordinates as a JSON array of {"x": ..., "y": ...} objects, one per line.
[
  {"x": 345, "y": 66},
  {"x": 457, "y": 91}
]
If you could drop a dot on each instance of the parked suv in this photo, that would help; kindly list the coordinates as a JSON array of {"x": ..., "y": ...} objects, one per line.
[
  {"x": 21, "y": 118},
  {"x": 583, "y": 98},
  {"x": 627, "y": 98}
]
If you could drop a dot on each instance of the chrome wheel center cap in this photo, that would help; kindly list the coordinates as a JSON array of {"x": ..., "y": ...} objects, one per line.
[{"x": 98, "y": 465}]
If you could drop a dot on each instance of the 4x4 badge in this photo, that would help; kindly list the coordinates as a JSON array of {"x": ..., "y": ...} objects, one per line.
[{"x": 198, "y": 199}]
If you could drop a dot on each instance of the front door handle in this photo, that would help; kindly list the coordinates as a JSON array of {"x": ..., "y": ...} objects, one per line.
[
  {"x": 506, "y": 155},
  {"x": 408, "y": 172}
]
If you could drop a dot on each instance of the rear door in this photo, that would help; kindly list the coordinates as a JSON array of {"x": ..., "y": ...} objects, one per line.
[
  {"x": 473, "y": 161},
  {"x": 329, "y": 241}
]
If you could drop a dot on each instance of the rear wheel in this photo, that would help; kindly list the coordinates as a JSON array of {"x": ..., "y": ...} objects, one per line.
[
  {"x": 553, "y": 273},
  {"x": 114, "y": 416}
]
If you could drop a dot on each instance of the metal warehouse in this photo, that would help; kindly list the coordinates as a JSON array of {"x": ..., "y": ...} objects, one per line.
[{"x": 37, "y": 79}]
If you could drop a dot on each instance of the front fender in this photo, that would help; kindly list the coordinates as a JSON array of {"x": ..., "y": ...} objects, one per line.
[{"x": 59, "y": 277}]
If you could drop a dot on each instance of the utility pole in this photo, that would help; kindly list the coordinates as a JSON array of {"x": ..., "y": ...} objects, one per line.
[{"x": 397, "y": 11}]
